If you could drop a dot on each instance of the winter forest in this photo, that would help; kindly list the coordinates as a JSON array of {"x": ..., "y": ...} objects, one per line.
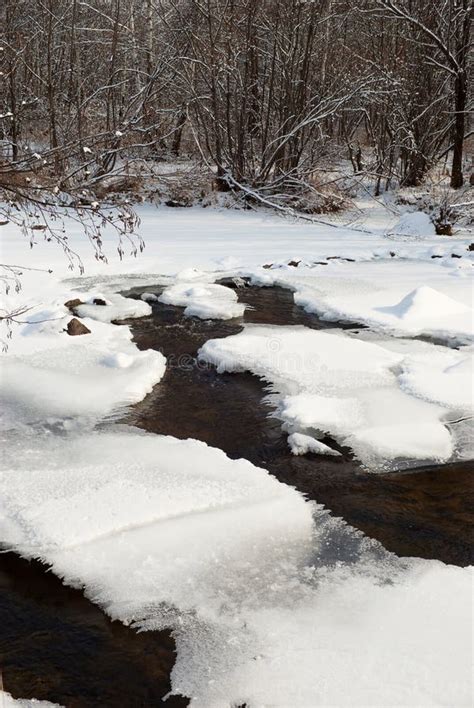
[
  {"x": 236, "y": 322},
  {"x": 262, "y": 93}
]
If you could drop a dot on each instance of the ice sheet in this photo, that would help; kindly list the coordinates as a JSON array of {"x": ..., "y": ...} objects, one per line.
[
  {"x": 204, "y": 300},
  {"x": 337, "y": 384}
]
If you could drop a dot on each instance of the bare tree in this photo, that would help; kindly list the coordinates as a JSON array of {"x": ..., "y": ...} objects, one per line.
[
  {"x": 444, "y": 31},
  {"x": 263, "y": 93}
]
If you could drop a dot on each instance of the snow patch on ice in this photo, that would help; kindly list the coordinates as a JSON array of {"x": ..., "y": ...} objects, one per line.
[
  {"x": 303, "y": 444},
  {"x": 401, "y": 296},
  {"x": 325, "y": 413},
  {"x": 75, "y": 384},
  {"x": 149, "y": 297},
  {"x": 332, "y": 383},
  {"x": 412, "y": 440},
  {"x": 442, "y": 377},
  {"x": 204, "y": 300},
  {"x": 117, "y": 308},
  {"x": 51, "y": 377}
]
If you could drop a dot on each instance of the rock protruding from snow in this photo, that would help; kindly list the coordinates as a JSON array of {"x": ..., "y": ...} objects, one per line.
[
  {"x": 73, "y": 303},
  {"x": 204, "y": 300},
  {"x": 75, "y": 328}
]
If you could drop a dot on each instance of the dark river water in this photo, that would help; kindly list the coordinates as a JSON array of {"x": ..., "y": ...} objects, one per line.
[
  {"x": 55, "y": 645},
  {"x": 424, "y": 512}
]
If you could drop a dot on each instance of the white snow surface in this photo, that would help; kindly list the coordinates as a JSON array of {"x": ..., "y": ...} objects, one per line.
[
  {"x": 302, "y": 444},
  {"x": 117, "y": 308},
  {"x": 77, "y": 383},
  {"x": 74, "y": 380},
  {"x": 272, "y": 601},
  {"x": 400, "y": 296},
  {"x": 415, "y": 223},
  {"x": 204, "y": 300},
  {"x": 255, "y": 581},
  {"x": 7, "y": 701},
  {"x": 444, "y": 377},
  {"x": 425, "y": 307},
  {"x": 198, "y": 245},
  {"x": 333, "y": 383}
]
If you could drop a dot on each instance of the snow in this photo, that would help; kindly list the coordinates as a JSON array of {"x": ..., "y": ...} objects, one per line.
[
  {"x": 51, "y": 377},
  {"x": 191, "y": 243},
  {"x": 272, "y": 601},
  {"x": 332, "y": 383},
  {"x": 302, "y": 444},
  {"x": 7, "y": 701},
  {"x": 149, "y": 297},
  {"x": 254, "y": 580},
  {"x": 311, "y": 411},
  {"x": 416, "y": 223},
  {"x": 425, "y": 308},
  {"x": 444, "y": 377},
  {"x": 400, "y": 296},
  {"x": 116, "y": 308},
  {"x": 206, "y": 301},
  {"x": 425, "y": 302},
  {"x": 410, "y": 441},
  {"x": 75, "y": 383}
]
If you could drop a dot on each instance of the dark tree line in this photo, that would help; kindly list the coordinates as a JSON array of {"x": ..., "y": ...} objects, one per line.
[{"x": 263, "y": 91}]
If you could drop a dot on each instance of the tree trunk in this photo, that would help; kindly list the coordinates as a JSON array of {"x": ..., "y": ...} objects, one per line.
[
  {"x": 178, "y": 132},
  {"x": 460, "y": 90}
]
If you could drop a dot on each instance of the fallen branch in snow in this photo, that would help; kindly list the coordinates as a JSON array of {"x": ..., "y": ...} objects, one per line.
[
  {"x": 233, "y": 184},
  {"x": 12, "y": 316}
]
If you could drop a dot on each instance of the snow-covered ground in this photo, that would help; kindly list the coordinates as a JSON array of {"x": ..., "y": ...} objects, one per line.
[{"x": 272, "y": 601}]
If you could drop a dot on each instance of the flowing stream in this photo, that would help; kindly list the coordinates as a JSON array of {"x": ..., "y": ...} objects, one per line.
[
  {"x": 421, "y": 512},
  {"x": 55, "y": 645}
]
